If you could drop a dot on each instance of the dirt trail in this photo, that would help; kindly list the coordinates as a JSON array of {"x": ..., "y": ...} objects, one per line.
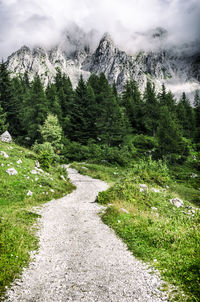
[{"x": 80, "y": 258}]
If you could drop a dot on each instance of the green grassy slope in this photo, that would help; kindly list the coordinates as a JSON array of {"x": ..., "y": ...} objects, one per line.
[
  {"x": 154, "y": 230},
  {"x": 17, "y": 234}
]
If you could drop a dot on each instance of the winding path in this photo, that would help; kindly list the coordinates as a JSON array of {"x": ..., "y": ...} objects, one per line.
[{"x": 80, "y": 258}]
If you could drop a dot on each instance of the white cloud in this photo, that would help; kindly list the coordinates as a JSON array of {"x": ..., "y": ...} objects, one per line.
[{"x": 42, "y": 21}]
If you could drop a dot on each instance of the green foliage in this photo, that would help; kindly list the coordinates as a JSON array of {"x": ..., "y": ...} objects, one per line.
[
  {"x": 170, "y": 142},
  {"x": 153, "y": 229},
  {"x": 17, "y": 234},
  {"x": 186, "y": 116},
  {"x": 3, "y": 125},
  {"x": 36, "y": 110},
  {"x": 144, "y": 144},
  {"x": 151, "y": 109},
  {"x": 51, "y": 132},
  {"x": 45, "y": 153}
]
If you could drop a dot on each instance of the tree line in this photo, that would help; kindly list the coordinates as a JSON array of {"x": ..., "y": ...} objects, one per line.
[{"x": 95, "y": 114}]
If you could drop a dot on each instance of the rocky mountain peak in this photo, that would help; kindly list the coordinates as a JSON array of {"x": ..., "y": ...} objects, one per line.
[
  {"x": 77, "y": 55},
  {"x": 106, "y": 44}
]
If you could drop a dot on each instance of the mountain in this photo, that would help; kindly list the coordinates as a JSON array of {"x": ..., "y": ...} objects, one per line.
[{"x": 177, "y": 67}]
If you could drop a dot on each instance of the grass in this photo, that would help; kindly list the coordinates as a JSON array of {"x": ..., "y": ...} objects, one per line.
[
  {"x": 17, "y": 217},
  {"x": 164, "y": 236}
]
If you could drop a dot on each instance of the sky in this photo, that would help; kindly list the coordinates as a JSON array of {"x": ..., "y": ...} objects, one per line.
[{"x": 42, "y": 22}]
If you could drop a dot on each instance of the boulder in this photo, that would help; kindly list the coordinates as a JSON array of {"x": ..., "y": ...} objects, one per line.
[
  {"x": 29, "y": 193},
  {"x": 4, "y": 154},
  {"x": 177, "y": 202},
  {"x": 11, "y": 171},
  {"x": 155, "y": 190},
  {"x": 143, "y": 187},
  {"x": 6, "y": 137}
]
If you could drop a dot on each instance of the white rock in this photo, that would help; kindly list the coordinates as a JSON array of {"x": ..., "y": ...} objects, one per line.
[
  {"x": 39, "y": 170},
  {"x": 177, "y": 202},
  {"x": 124, "y": 210},
  {"x": 19, "y": 161},
  {"x": 6, "y": 137},
  {"x": 29, "y": 193},
  {"x": 34, "y": 172},
  {"x": 143, "y": 187},
  {"x": 155, "y": 190},
  {"x": 37, "y": 164},
  {"x": 52, "y": 190},
  {"x": 62, "y": 177},
  {"x": 11, "y": 171},
  {"x": 4, "y": 154}
]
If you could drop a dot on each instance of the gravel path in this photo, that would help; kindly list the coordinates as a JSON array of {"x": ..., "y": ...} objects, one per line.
[{"x": 80, "y": 258}]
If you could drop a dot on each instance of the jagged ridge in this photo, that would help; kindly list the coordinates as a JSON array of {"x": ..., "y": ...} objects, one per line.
[{"x": 179, "y": 70}]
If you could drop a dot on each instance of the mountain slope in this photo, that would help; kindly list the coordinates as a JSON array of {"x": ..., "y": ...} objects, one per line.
[{"x": 178, "y": 68}]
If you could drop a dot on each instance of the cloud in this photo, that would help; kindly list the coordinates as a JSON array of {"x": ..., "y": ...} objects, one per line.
[{"x": 128, "y": 21}]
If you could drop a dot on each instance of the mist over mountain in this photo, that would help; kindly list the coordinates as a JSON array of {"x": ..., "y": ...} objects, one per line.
[
  {"x": 81, "y": 53},
  {"x": 129, "y": 22}
]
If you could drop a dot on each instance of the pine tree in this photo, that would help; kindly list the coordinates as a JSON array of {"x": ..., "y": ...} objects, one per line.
[
  {"x": 83, "y": 116},
  {"x": 112, "y": 125},
  {"x": 166, "y": 99},
  {"x": 53, "y": 101},
  {"x": 151, "y": 109},
  {"x": 169, "y": 135},
  {"x": 134, "y": 107},
  {"x": 3, "y": 125},
  {"x": 36, "y": 109},
  {"x": 186, "y": 116},
  {"x": 8, "y": 100},
  {"x": 197, "y": 116}
]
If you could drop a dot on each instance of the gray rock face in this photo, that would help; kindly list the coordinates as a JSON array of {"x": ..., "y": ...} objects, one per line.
[
  {"x": 6, "y": 137},
  {"x": 178, "y": 69}
]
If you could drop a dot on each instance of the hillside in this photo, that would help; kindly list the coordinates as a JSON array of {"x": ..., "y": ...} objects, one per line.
[
  {"x": 157, "y": 215},
  {"x": 19, "y": 194}
]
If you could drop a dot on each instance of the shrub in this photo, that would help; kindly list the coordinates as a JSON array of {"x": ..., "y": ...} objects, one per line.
[{"x": 45, "y": 153}]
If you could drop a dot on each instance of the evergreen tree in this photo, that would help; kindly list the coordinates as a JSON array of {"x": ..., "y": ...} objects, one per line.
[
  {"x": 197, "y": 116},
  {"x": 83, "y": 117},
  {"x": 8, "y": 100},
  {"x": 169, "y": 135},
  {"x": 151, "y": 109},
  {"x": 134, "y": 107},
  {"x": 166, "y": 99},
  {"x": 53, "y": 101},
  {"x": 112, "y": 125},
  {"x": 36, "y": 109},
  {"x": 186, "y": 116},
  {"x": 3, "y": 125}
]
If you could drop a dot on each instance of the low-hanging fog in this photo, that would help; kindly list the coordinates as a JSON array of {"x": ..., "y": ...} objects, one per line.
[{"x": 129, "y": 22}]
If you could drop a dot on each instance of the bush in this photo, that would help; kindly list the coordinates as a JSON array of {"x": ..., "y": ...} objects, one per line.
[
  {"x": 144, "y": 144},
  {"x": 46, "y": 154}
]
